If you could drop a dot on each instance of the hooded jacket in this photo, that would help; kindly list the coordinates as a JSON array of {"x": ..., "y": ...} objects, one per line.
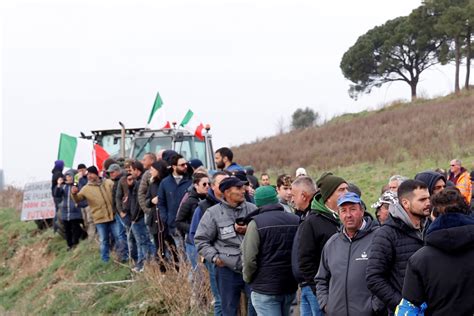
[
  {"x": 393, "y": 244},
  {"x": 99, "y": 197},
  {"x": 442, "y": 272},
  {"x": 430, "y": 178},
  {"x": 317, "y": 227},
  {"x": 215, "y": 235},
  {"x": 340, "y": 283},
  {"x": 69, "y": 210}
]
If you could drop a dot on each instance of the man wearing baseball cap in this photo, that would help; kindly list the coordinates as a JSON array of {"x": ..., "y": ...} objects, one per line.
[
  {"x": 218, "y": 239},
  {"x": 340, "y": 283},
  {"x": 320, "y": 223}
]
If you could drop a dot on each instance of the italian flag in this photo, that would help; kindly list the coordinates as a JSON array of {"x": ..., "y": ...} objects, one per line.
[
  {"x": 193, "y": 123},
  {"x": 73, "y": 151},
  {"x": 158, "y": 104}
]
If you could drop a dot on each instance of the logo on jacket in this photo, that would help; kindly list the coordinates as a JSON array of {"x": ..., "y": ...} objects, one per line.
[{"x": 363, "y": 256}]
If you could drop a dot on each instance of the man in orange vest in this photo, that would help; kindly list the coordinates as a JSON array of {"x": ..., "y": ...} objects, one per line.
[{"x": 461, "y": 178}]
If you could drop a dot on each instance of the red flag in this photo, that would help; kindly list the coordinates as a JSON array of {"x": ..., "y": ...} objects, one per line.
[
  {"x": 168, "y": 125},
  {"x": 100, "y": 156},
  {"x": 198, "y": 132}
]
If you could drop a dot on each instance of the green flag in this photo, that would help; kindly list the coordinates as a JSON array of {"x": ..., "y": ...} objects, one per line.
[
  {"x": 67, "y": 149},
  {"x": 186, "y": 118},
  {"x": 157, "y": 105}
]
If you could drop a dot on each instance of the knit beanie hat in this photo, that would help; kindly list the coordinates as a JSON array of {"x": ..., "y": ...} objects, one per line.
[
  {"x": 265, "y": 195},
  {"x": 328, "y": 183},
  {"x": 93, "y": 169}
]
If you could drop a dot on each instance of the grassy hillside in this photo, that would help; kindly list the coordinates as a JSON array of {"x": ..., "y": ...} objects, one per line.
[
  {"x": 368, "y": 147},
  {"x": 38, "y": 276}
]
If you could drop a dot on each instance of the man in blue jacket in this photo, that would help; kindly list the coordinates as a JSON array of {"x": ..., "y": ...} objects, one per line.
[{"x": 170, "y": 194}]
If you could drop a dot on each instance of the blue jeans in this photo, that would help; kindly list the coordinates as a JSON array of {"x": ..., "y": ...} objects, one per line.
[
  {"x": 118, "y": 231},
  {"x": 230, "y": 284},
  {"x": 211, "y": 268},
  {"x": 278, "y": 305},
  {"x": 140, "y": 232},
  {"x": 191, "y": 254},
  {"x": 131, "y": 242},
  {"x": 309, "y": 303},
  {"x": 104, "y": 230}
]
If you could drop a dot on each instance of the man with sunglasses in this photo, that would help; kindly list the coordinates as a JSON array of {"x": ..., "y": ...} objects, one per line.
[
  {"x": 461, "y": 178},
  {"x": 170, "y": 194}
]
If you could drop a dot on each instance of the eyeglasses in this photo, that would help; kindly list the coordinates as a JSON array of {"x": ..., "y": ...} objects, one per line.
[
  {"x": 452, "y": 165},
  {"x": 205, "y": 184},
  {"x": 182, "y": 164}
]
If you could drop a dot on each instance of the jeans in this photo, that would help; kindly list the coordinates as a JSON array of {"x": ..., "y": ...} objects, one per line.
[
  {"x": 118, "y": 231},
  {"x": 211, "y": 268},
  {"x": 230, "y": 284},
  {"x": 275, "y": 305},
  {"x": 140, "y": 232},
  {"x": 309, "y": 303},
  {"x": 104, "y": 230},
  {"x": 131, "y": 242},
  {"x": 191, "y": 254}
]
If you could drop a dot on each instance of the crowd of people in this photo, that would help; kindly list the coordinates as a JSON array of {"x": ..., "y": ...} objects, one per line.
[{"x": 315, "y": 238}]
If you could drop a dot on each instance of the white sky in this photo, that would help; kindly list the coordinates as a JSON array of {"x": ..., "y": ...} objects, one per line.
[{"x": 79, "y": 65}]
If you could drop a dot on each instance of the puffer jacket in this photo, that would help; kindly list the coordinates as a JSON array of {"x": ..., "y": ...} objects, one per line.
[
  {"x": 393, "y": 244},
  {"x": 216, "y": 235},
  {"x": 442, "y": 272},
  {"x": 69, "y": 210},
  {"x": 99, "y": 197}
]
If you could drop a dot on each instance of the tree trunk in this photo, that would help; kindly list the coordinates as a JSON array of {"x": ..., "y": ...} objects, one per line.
[
  {"x": 457, "y": 48},
  {"x": 413, "y": 90},
  {"x": 468, "y": 57}
]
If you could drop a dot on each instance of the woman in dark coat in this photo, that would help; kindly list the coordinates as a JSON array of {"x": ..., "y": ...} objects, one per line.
[{"x": 159, "y": 171}]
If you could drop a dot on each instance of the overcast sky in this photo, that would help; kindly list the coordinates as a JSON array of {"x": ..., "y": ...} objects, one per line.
[{"x": 80, "y": 65}]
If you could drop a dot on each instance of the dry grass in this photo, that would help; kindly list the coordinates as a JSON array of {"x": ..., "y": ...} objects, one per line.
[
  {"x": 438, "y": 129},
  {"x": 174, "y": 291},
  {"x": 11, "y": 197}
]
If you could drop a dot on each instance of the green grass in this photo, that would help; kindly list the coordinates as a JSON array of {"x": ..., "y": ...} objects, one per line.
[{"x": 59, "y": 287}]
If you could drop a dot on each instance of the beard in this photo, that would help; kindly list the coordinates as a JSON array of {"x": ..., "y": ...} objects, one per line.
[
  {"x": 220, "y": 165},
  {"x": 180, "y": 172}
]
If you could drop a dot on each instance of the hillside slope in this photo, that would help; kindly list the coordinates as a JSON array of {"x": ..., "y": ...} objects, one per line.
[
  {"x": 367, "y": 148},
  {"x": 39, "y": 277},
  {"x": 437, "y": 129}
]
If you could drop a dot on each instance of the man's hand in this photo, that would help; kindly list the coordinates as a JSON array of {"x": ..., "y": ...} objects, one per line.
[
  {"x": 218, "y": 262},
  {"x": 74, "y": 190},
  {"x": 154, "y": 200},
  {"x": 60, "y": 181},
  {"x": 122, "y": 214},
  {"x": 240, "y": 229}
]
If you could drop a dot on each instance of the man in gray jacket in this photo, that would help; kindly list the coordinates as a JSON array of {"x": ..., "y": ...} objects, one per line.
[
  {"x": 218, "y": 239},
  {"x": 340, "y": 283}
]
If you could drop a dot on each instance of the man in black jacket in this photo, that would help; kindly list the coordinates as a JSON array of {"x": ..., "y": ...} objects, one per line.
[
  {"x": 320, "y": 223},
  {"x": 396, "y": 241},
  {"x": 441, "y": 274}
]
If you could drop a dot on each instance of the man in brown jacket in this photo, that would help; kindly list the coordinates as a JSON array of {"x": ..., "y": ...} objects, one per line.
[{"x": 98, "y": 194}]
